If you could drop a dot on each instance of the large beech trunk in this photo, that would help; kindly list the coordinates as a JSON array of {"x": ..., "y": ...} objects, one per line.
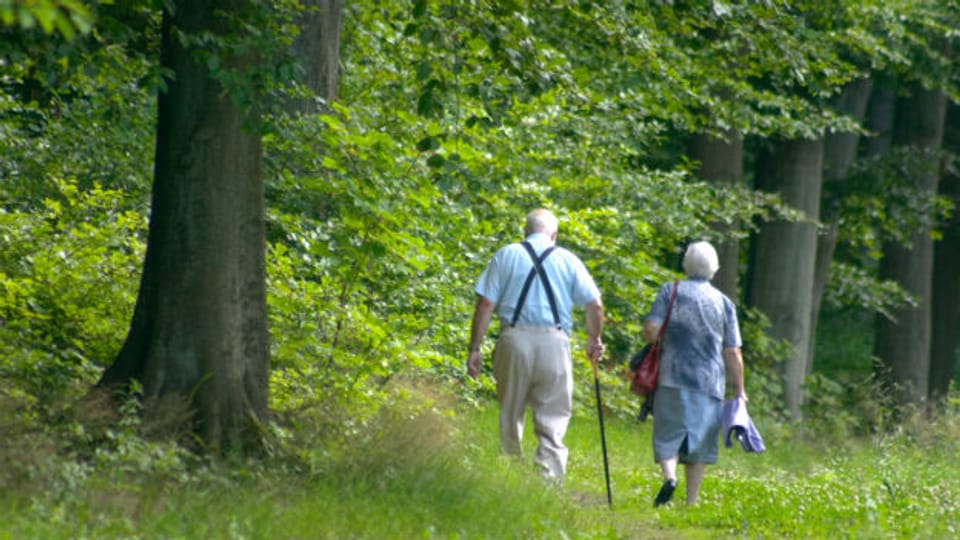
[
  {"x": 903, "y": 345},
  {"x": 783, "y": 254},
  {"x": 199, "y": 329},
  {"x": 721, "y": 162}
]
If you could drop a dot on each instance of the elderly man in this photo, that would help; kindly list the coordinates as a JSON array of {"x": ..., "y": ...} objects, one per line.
[{"x": 533, "y": 286}]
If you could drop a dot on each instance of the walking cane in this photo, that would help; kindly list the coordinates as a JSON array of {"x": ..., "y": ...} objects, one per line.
[{"x": 603, "y": 437}]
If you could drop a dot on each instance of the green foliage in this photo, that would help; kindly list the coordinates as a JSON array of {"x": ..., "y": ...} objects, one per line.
[
  {"x": 66, "y": 17},
  {"x": 846, "y": 406},
  {"x": 850, "y": 285},
  {"x": 455, "y": 121},
  {"x": 446, "y": 170},
  {"x": 845, "y": 341},
  {"x": 880, "y": 201},
  {"x": 358, "y": 281},
  {"x": 460, "y": 118},
  {"x": 68, "y": 276},
  {"x": 77, "y": 144},
  {"x": 915, "y": 47},
  {"x": 78, "y": 114}
]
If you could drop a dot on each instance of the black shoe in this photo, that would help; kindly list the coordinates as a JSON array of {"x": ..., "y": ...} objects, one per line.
[{"x": 666, "y": 492}]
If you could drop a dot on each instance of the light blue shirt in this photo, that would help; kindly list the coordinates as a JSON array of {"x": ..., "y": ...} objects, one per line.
[
  {"x": 703, "y": 322},
  {"x": 502, "y": 281}
]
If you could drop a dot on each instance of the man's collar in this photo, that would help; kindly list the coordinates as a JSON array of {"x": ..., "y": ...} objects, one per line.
[{"x": 538, "y": 236}]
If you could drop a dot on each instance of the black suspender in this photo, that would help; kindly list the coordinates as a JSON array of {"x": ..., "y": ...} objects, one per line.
[{"x": 537, "y": 269}]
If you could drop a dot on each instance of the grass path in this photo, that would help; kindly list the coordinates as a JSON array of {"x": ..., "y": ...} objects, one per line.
[
  {"x": 431, "y": 476},
  {"x": 898, "y": 487}
]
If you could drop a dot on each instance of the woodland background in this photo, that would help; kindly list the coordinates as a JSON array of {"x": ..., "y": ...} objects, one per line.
[{"x": 236, "y": 229}]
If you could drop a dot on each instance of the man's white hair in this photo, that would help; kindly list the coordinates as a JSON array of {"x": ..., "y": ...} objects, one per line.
[
  {"x": 541, "y": 220},
  {"x": 700, "y": 260}
]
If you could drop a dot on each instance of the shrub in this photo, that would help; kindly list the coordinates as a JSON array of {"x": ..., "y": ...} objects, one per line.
[{"x": 68, "y": 275}]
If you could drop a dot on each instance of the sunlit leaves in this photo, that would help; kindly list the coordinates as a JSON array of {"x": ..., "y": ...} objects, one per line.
[
  {"x": 66, "y": 17},
  {"x": 68, "y": 275}
]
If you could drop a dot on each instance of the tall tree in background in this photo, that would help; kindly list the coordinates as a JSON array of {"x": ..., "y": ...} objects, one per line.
[
  {"x": 902, "y": 345},
  {"x": 946, "y": 270},
  {"x": 839, "y": 152},
  {"x": 721, "y": 162},
  {"x": 317, "y": 49},
  {"x": 199, "y": 329},
  {"x": 783, "y": 253}
]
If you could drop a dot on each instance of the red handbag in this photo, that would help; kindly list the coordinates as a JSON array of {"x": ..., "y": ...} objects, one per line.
[
  {"x": 644, "y": 379},
  {"x": 645, "y": 365}
]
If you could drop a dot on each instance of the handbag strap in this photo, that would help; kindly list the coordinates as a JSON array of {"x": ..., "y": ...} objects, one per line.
[
  {"x": 537, "y": 270},
  {"x": 673, "y": 297}
]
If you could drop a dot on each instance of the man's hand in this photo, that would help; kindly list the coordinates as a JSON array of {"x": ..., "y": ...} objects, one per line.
[
  {"x": 595, "y": 346},
  {"x": 474, "y": 364},
  {"x": 595, "y": 350},
  {"x": 482, "y": 313}
]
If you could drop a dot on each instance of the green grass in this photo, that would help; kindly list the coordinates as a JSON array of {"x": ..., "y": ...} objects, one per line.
[{"x": 436, "y": 476}]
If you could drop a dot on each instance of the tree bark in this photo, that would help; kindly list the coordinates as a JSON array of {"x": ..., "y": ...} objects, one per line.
[
  {"x": 317, "y": 47},
  {"x": 839, "y": 152},
  {"x": 783, "y": 254},
  {"x": 903, "y": 345},
  {"x": 199, "y": 329},
  {"x": 946, "y": 274},
  {"x": 721, "y": 162}
]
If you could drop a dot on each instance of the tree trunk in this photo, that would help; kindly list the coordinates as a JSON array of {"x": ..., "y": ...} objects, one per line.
[
  {"x": 199, "y": 329},
  {"x": 317, "y": 47},
  {"x": 880, "y": 116},
  {"x": 783, "y": 254},
  {"x": 946, "y": 274},
  {"x": 903, "y": 346},
  {"x": 721, "y": 162},
  {"x": 839, "y": 152}
]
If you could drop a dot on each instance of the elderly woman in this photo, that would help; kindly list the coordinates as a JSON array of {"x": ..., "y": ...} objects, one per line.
[{"x": 700, "y": 353}]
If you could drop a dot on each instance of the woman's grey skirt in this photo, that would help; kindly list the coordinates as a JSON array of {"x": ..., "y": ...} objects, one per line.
[{"x": 686, "y": 425}]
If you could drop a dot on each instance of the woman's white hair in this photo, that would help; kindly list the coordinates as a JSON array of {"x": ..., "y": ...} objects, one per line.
[{"x": 700, "y": 260}]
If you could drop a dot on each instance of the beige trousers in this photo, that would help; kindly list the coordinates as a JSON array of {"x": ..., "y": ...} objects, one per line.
[{"x": 532, "y": 366}]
